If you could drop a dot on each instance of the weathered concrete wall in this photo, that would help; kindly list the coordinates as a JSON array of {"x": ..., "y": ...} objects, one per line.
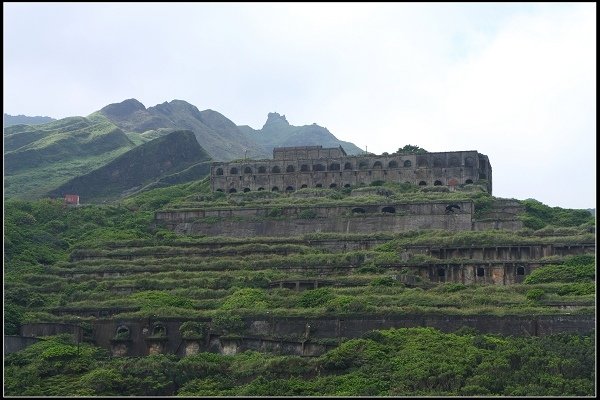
[
  {"x": 341, "y": 219},
  {"x": 493, "y": 272},
  {"x": 274, "y": 346},
  {"x": 357, "y": 209},
  {"x": 504, "y": 251},
  {"x": 51, "y": 329},
  {"x": 431, "y": 169},
  {"x": 262, "y": 333},
  {"x": 505, "y": 225},
  {"x": 369, "y": 224},
  {"x": 14, "y": 343}
]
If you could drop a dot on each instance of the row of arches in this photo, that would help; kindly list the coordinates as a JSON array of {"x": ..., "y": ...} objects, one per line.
[
  {"x": 124, "y": 333},
  {"x": 453, "y": 162},
  {"x": 440, "y": 183},
  {"x": 315, "y": 167},
  {"x": 287, "y": 189},
  {"x": 320, "y": 186},
  {"x": 422, "y": 162}
]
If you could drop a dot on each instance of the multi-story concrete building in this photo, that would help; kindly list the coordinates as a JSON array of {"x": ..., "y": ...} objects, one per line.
[{"x": 294, "y": 168}]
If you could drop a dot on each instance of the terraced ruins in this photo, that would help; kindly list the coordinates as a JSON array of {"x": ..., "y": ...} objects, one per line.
[{"x": 300, "y": 272}]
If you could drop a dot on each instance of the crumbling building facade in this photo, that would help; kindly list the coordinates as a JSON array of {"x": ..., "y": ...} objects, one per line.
[{"x": 294, "y": 168}]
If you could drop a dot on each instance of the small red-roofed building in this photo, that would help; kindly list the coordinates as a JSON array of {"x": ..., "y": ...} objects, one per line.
[{"x": 71, "y": 199}]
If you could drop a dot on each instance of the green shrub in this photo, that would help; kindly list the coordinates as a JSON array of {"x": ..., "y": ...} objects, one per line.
[
  {"x": 537, "y": 215},
  {"x": 275, "y": 212},
  {"x": 227, "y": 323},
  {"x": 451, "y": 287},
  {"x": 315, "y": 298},
  {"x": 384, "y": 281},
  {"x": 345, "y": 304},
  {"x": 577, "y": 289},
  {"x": 535, "y": 294},
  {"x": 562, "y": 273},
  {"x": 193, "y": 329},
  {"x": 307, "y": 214},
  {"x": 250, "y": 298},
  {"x": 153, "y": 299}
]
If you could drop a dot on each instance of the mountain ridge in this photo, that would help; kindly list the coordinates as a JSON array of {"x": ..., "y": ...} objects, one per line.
[{"x": 160, "y": 158}]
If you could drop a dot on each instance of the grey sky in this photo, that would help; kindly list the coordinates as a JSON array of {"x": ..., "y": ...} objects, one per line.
[{"x": 514, "y": 81}]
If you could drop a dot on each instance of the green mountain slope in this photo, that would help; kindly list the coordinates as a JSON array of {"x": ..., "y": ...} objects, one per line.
[
  {"x": 220, "y": 137},
  {"x": 159, "y": 158},
  {"x": 39, "y": 158},
  {"x": 277, "y": 132}
]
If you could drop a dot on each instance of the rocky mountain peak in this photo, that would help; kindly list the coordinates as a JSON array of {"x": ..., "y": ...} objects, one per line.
[
  {"x": 275, "y": 119},
  {"x": 123, "y": 109}
]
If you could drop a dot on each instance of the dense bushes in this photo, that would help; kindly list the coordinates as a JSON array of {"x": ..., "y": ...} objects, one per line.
[
  {"x": 575, "y": 269},
  {"x": 538, "y": 215},
  {"x": 395, "y": 362}
]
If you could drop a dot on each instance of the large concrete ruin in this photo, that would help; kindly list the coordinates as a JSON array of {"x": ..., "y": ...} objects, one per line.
[{"x": 294, "y": 168}]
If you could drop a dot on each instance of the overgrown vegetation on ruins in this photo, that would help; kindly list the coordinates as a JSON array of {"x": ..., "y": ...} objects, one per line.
[
  {"x": 60, "y": 261},
  {"x": 395, "y": 362}
]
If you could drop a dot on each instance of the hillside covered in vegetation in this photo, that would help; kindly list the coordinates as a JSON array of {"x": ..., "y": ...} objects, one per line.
[{"x": 67, "y": 264}]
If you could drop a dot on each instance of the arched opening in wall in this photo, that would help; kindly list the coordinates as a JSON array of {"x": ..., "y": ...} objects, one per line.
[
  {"x": 122, "y": 332},
  {"x": 388, "y": 210},
  {"x": 159, "y": 329},
  {"x": 260, "y": 188},
  {"x": 276, "y": 170},
  {"x": 334, "y": 167},
  {"x": 333, "y": 186},
  {"x": 347, "y": 185},
  {"x": 469, "y": 162},
  {"x": 392, "y": 164},
  {"x": 289, "y": 189},
  {"x": 318, "y": 167},
  {"x": 290, "y": 168},
  {"x": 232, "y": 190},
  {"x": 247, "y": 170},
  {"x": 377, "y": 165},
  {"x": 219, "y": 171},
  {"x": 219, "y": 190},
  {"x": 246, "y": 190},
  {"x": 303, "y": 186},
  {"x": 482, "y": 175},
  {"x": 318, "y": 185},
  {"x": 407, "y": 163},
  {"x": 348, "y": 166},
  {"x": 441, "y": 272},
  {"x": 437, "y": 163},
  {"x": 274, "y": 189},
  {"x": 358, "y": 210},
  {"x": 469, "y": 181},
  {"x": 520, "y": 270},
  {"x": 437, "y": 183},
  {"x": 454, "y": 162},
  {"x": 422, "y": 162},
  {"x": 363, "y": 165},
  {"x": 480, "y": 271},
  {"x": 233, "y": 171},
  {"x": 262, "y": 170},
  {"x": 304, "y": 168},
  {"x": 422, "y": 183}
]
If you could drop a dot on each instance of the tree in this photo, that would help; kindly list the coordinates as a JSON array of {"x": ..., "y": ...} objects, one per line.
[{"x": 410, "y": 149}]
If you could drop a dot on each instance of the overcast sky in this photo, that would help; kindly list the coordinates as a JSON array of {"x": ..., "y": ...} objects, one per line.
[{"x": 514, "y": 81}]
